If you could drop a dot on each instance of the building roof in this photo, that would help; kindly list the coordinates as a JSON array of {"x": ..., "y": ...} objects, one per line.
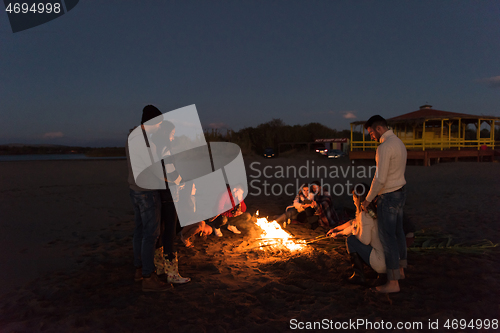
[
  {"x": 426, "y": 113},
  {"x": 430, "y": 114}
]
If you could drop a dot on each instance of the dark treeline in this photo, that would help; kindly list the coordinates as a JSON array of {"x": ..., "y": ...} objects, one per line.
[
  {"x": 56, "y": 149},
  {"x": 40, "y": 149},
  {"x": 274, "y": 132},
  {"x": 252, "y": 140}
]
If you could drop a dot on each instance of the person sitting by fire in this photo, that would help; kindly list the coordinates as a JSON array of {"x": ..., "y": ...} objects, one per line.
[
  {"x": 189, "y": 232},
  {"x": 303, "y": 207},
  {"x": 326, "y": 212},
  {"x": 363, "y": 242},
  {"x": 230, "y": 215}
]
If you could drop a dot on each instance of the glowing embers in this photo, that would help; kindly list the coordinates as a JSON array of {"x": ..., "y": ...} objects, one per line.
[{"x": 275, "y": 237}]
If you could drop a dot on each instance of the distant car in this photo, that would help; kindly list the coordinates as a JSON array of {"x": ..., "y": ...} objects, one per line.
[
  {"x": 269, "y": 152},
  {"x": 335, "y": 153},
  {"x": 322, "y": 151}
]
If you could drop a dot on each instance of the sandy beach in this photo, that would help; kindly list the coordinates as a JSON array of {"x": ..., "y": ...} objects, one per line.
[{"x": 66, "y": 255}]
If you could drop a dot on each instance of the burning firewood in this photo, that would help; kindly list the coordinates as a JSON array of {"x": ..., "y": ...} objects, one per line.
[{"x": 274, "y": 236}]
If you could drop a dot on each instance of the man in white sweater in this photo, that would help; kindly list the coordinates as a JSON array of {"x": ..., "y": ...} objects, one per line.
[{"x": 389, "y": 185}]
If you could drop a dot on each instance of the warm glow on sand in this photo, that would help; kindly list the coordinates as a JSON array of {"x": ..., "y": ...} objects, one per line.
[{"x": 275, "y": 236}]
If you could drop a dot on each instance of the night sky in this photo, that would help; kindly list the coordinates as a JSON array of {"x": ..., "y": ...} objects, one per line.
[{"x": 83, "y": 78}]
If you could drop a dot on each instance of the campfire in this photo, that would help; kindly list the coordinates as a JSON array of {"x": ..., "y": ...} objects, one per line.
[{"x": 275, "y": 237}]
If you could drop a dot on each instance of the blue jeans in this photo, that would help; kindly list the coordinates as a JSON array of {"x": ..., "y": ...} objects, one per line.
[
  {"x": 293, "y": 214},
  {"x": 220, "y": 221},
  {"x": 147, "y": 208},
  {"x": 390, "y": 229},
  {"x": 354, "y": 245}
]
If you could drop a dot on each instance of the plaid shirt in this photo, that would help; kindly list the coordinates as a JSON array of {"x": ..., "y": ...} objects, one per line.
[{"x": 327, "y": 215}]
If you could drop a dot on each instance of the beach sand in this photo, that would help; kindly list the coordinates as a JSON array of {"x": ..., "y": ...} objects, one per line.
[{"x": 66, "y": 256}]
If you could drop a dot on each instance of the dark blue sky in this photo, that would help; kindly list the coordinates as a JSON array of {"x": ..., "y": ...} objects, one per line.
[{"x": 84, "y": 77}]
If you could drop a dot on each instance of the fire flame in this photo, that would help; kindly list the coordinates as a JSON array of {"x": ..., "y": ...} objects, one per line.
[{"x": 274, "y": 235}]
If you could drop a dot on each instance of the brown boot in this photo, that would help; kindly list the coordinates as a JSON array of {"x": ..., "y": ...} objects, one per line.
[
  {"x": 138, "y": 274},
  {"x": 381, "y": 280},
  {"x": 153, "y": 283},
  {"x": 357, "y": 265},
  {"x": 159, "y": 261},
  {"x": 172, "y": 271}
]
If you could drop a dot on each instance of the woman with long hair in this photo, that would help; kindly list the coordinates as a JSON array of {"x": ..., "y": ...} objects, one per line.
[
  {"x": 363, "y": 242},
  {"x": 166, "y": 260}
]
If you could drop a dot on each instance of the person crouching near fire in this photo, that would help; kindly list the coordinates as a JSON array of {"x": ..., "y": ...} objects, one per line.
[
  {"x": 363, "y": 242},
  {"x": 189, "y": 232},
  {"x": 231, "y": 214}
]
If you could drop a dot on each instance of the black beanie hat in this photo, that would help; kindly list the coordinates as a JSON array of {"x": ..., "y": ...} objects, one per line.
[{"x": 149, "y": 112}]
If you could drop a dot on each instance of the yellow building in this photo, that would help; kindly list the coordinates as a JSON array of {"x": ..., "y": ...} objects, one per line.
[{"x": 429, "y": 130}]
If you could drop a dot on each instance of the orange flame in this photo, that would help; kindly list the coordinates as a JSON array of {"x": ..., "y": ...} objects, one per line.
[{"x": 274, "y": 235}]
